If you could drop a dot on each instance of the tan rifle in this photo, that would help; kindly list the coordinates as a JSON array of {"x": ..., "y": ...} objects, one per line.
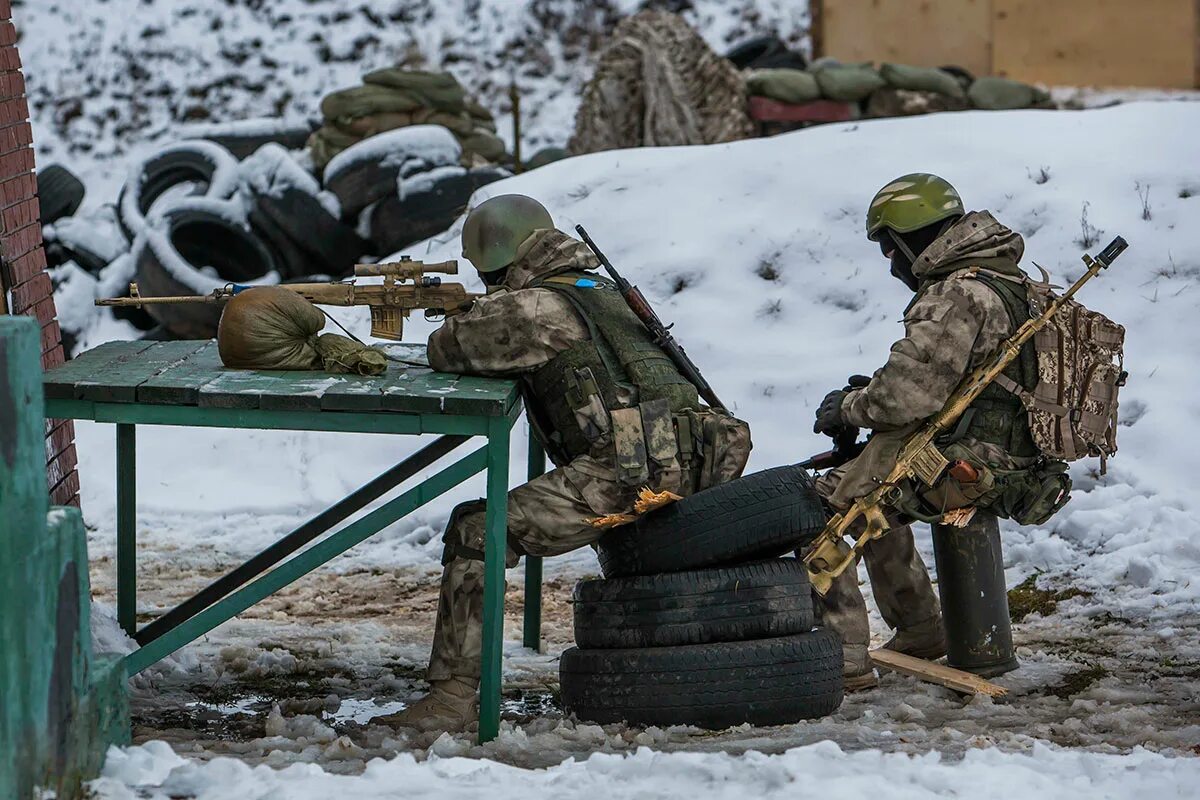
[
  {"x": 406, "y": 286},
  {"x": 920, "y": 458}
]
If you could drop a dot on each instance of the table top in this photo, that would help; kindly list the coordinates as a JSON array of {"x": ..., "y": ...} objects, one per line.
[{"x": 190, "y": 373}]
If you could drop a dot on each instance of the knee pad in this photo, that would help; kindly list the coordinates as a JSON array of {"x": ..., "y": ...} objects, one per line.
[{"x": 452, "y": 544}]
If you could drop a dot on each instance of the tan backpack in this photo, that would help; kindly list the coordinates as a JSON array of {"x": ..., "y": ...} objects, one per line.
[{"x": 1080, "y": 365}]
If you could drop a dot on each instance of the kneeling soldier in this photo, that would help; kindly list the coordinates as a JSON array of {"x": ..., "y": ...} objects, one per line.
[
  {"x": 611, "y": 409},
  {"x": 969, "y": 297}
]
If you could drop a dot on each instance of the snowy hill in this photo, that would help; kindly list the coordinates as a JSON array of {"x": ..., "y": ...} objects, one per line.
[{"x": 108, "y": 78}]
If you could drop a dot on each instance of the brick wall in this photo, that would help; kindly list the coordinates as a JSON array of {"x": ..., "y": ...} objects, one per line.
[{"x": 22, "y": 262}]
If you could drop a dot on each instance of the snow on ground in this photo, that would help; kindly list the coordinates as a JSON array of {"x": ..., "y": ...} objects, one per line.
[
  {"x": 756, "y": 251},
  {"x": 110, "y": 78}
]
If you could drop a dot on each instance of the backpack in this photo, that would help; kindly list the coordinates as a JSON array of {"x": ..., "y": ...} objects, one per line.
[{"x": 1080, "y": 365}]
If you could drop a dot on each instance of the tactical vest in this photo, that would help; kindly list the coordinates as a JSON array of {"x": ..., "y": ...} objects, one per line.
[
  {"x": 997, "y": 416},
  {"x": 569, "y": 398}
]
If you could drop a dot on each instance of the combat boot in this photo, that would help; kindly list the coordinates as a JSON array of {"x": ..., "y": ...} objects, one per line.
[
  {"x": 858, "y": 675},
  {"x": 451, "y": 706},
  {"x": 925, "y": 640}
]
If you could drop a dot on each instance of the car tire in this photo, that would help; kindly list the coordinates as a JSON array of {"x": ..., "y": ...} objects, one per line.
[
  {"x": 774, "y": 681},
  {"x": 307, "y": 239},
  {"x": 170, "y": 257},
  {"x": 726, "y": 604},
  {"x": 244, "y": 144},
  {"x": 60, "y": 193},
  {"x": 762, "y": 515},
  {"x": 436, "y": 199},
  {"x": 195, "y": 161}
]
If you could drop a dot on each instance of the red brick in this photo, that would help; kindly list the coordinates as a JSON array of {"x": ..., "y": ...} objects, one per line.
[
  {"x": 59, "y": 439},
  {"x": 21, "y": 214},
  {"x": 27, "y": 267},
  {"x": 51, "y": 336},
  {"x": 53, "y": 359},
  {"x": 67, "y": 484},
  {"x": 5, "y": 9},
  {"x": 14, "y": 244},
  {"x": 26, "y": 293},
  {"x": 15, "y": 163},
  {"x": 43, "y": 310},
  {"x": 8, "y": 33}
]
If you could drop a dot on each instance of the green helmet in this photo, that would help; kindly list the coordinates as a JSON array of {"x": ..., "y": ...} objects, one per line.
[
  {"x": 496, "y": 228},
  {"x": 911, "y": 202}
]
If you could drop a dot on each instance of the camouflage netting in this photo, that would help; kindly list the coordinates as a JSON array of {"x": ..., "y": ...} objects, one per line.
[
  {"x": 659, "y": 84},
  {"x": 395, "y": 98}
]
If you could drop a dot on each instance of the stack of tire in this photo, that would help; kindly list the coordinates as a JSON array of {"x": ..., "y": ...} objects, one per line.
[
  {"x": 405, "y": 185},
  {"x": 193, "y": 216},
  {"x": 697, "y": 620}
]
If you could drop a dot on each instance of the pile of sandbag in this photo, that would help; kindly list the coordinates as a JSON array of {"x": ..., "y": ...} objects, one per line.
[
  {"x": 657, "y": 83},
  {"x": 892, "y": 89},
  {"x": 396, "y": 98}
]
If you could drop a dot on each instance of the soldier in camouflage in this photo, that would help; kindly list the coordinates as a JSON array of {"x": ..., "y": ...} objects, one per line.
[
  {"x": 969, "y": 298},
  {"x": 612, "y": 411}
]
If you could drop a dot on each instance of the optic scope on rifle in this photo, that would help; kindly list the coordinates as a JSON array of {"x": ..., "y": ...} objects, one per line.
[{"x": 404, "y": 269}]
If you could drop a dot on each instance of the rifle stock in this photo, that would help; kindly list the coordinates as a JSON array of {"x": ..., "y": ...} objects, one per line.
[{"x": 920, "y": 457}]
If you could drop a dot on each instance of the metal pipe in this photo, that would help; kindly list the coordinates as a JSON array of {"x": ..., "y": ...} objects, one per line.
[{"x": 970, "y": 569}]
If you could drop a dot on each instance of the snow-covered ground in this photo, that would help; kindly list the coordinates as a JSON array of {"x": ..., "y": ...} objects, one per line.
[{"x": 755, "y": 250}]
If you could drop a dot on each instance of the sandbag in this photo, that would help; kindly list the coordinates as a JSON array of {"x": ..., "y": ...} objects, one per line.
[
  {"x": 273, "y": 328},
  {"x": 921, "y": 79},
  {"x": 1002, "y": 94},
  {"x": 848, "y": 83},
  {"x": 438, "y": 90},
  {"x": 784, "y": 85}
]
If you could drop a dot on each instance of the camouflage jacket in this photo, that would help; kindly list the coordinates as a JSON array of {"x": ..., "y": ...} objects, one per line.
[
  {"x": 952, "y": 325},
  {"x": 515, "y": 329}
]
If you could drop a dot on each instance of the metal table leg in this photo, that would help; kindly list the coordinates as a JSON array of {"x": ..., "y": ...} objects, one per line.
[
  {"x": 532, "y": 637},
  {"x": 493, "y": 583},
  {"x": 127, "y": 528}
]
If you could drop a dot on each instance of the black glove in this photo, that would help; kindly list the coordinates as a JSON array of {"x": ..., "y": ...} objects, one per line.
[
  {"x": 829, "y": 414},
  {"x": 856, "y": 382}
]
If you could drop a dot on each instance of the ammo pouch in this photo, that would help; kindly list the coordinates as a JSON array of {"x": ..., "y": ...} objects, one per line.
[{"x": 1027, "y": 496}]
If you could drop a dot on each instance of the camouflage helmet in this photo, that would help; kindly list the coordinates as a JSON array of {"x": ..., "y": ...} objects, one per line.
[
  {"x": 911, "y": 202},
  {"x": 496, "y": 228}
]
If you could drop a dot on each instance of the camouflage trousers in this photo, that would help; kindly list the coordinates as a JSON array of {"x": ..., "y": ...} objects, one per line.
[
  {"x": 899, "y": 581},
  {"x": 550, "y": 516},
  {"x": 546, "y": 517}
]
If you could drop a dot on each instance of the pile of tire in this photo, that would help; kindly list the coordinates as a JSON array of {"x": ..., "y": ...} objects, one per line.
[
  {"x": 698, "y": 621},
  {"x": 194, "y": 216}
]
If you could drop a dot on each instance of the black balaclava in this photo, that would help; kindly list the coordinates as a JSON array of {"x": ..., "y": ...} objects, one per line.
[
  {"x": 916, "y": 242},
  {"x": 495, "y": 277}
]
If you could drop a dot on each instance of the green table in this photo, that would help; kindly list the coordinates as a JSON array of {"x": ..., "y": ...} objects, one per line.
[{"x": 184, "y": 383}]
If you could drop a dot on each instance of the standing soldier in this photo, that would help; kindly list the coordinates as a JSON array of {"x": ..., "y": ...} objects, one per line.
[
  {"x": 970, "y": 296},
  {"x": 611, "y": 409}
]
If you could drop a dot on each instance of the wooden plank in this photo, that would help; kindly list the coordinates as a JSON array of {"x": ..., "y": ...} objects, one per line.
[
  {"x": 118, "y": 382},
  {"x": 180, "y": 384},
  {"x": 474, "y": 395},
  {"x": 928, "y": 33},
  {"x": 418, "y": 392},
  {"x": 940, "y": 674},
  {"x": 1097, "y": 42},
  {"x": 237, "y": 388},
  {"x": 298, "y": 390},
  {"x": 60, "y": 382}
]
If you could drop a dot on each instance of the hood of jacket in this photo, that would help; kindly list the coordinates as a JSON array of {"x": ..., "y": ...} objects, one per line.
[
  {"x": 975, "y": 238},
  {"x": 546, "y": 252}
]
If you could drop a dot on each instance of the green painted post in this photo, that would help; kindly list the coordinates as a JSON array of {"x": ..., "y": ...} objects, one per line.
[
  {"x": 496, "y": 527},
  {"x": 60, "y": 705},
  {"x": 532, "y": 637},
  {"x": 127, "y": 528}
]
